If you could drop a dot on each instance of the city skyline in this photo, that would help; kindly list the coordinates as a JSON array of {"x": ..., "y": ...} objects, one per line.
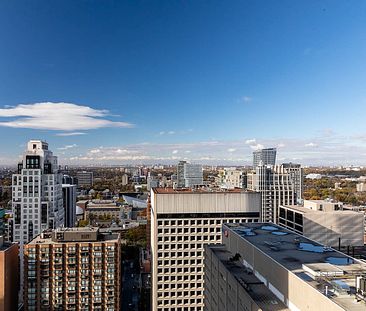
[{"x": 144, "y": 83}]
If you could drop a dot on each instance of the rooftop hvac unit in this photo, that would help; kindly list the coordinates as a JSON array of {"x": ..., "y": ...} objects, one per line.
[{"x": 361, "y": 285}]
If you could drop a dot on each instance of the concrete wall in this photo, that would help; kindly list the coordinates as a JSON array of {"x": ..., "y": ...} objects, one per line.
[
  {"x": 327, "y": 227},
  {"x": 213, "y": 202}
]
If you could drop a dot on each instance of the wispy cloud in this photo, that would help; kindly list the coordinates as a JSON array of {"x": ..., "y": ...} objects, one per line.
[
  {"x": 311, "y": 145},
  {"x": 57, "y": 116},
  {"x": 67, "y": 147},
  {"x": 70, "y": 134}
]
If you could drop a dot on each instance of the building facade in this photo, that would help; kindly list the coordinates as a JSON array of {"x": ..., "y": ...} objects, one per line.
[
  {"x": 181, "y": 223},
  {"x": 189, "y": 175},
  {"x": 301, "y": 273},
  {"x": 230, "y": 287},
  {"x": 37, "y": 193},
  {"x": 335, "y": 228},
  {"x": 276, "y": 185},
  {"x": 69, "y": 204},
  {"x": 85, "y": 179},
  {"x": 264, "y": 157},
  {"x": 231, "y": 178},
  {"x": 9, "y": 275},
  {"x": 73, "y": 269}
]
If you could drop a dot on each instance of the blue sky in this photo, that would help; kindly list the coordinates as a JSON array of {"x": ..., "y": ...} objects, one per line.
[{"x": 208, "y": 81}]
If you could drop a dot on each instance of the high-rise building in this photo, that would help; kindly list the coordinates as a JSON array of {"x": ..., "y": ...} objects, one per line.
[
  {"x": 9, "y": 275},
  {"x": 37, "y": 193},
  {"x": 264, "y": 156},
  {"x": 277, "y": 187},
  {"x": 189, "y": 175},
  {"x": 301, "y": 273},
  {"x": 85, "y": 179},
  {"x": 297, "y": 176},
  {"x": 182, "y": 221},
  {"x": 69, "y": 204},
  {"x": 73, "y": 269}
]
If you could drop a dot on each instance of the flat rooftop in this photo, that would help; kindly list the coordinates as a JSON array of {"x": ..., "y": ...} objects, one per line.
[
  {"x": 195, "y": 190},
  {"x": 314, "y": 263},
  {"x": 304, "y": 210},
  {"x": 255, "y": 288},
  {"x": 73, "y": 235}
]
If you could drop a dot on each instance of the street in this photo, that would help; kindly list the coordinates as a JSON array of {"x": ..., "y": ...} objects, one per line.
[{"x": 130, "y": 292}]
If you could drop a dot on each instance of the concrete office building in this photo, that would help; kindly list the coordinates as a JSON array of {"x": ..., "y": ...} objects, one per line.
[
  {"x": 69, "y": 204},
  {"x": 276, "y": 187},
  {"x": 37, "y": 193},
  {"x": 329, "y": 227},
  {"x": 85, "y": 179},
  {"x": 182, "y": 221},
  {"x": 301, "y": 273},
  {"x": 73, "y": 269},
  {"x": 189, "y": 175},
  {"x": 229, "y": 286},
  {"x": 264, "y": 157},
  {"x": 9, "y": 275}
]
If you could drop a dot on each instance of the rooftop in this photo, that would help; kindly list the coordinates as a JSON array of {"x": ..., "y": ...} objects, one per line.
[
  {"x": 76, "y": 234},
  {"x": 314, "y": 263},
  {"x": 256, "y": 289},
  {"x": 195, "y": 190},
  {"x": 304, "y": 210}
]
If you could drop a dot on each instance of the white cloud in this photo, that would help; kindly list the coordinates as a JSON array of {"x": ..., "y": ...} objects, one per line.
[
  {"x": 311, "y": 145},
  {"x": 171, "y": 132},
  {"x": 250, "y": 141},
  {"x": 67, "y": 147},
  {"x": 70, "y": 134},
  {"x": 174, "y": 151},
  {"x": 57, "y": 116},
  {"x": 253, "y": 144},
  {"x": 231, "y": 150}
]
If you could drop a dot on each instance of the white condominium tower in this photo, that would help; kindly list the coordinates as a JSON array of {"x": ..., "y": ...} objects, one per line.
[
  {"x": 278, "y": 185},
  {"x": 264, "y": 156},
  {"x": 182, "y": 222},
  {"x": 37, "y": 193}
]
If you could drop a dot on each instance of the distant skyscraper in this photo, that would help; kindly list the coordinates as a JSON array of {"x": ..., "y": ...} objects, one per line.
[
  {"x": 180, "y": 174},
  {"x": 37, "y": 193},
  {"x": 264, "y": 156},
  {"x": 189, "y": 175},
  {"x": 181, "y": 223},
  {"x": 69, "y": 203}
]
